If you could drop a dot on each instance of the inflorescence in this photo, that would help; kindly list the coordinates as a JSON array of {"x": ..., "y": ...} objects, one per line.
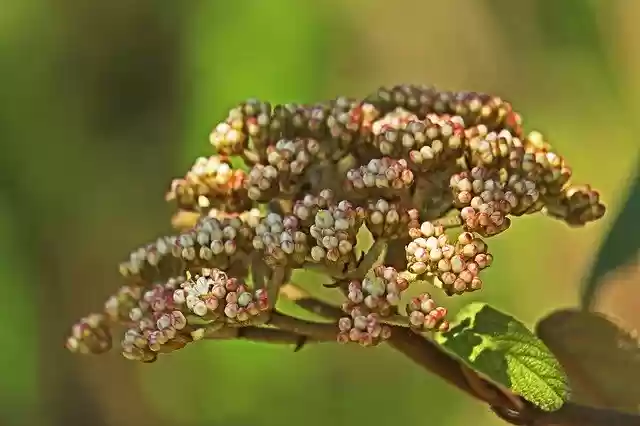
[{"x": 436, "y": 172}]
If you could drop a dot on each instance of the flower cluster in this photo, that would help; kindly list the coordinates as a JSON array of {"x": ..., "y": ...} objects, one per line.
[
  {"x": 456, "y": 264},
  {"x": 334, "y": 230},
  {"x": 425, "y": 314},
  {"x": 169, "y": 315},
  {"x": 211, "y": 183},
  {"x": 296, "y": 186},
  {"x": 369, "y": 302},
  {"x": 386, "y": 176}
]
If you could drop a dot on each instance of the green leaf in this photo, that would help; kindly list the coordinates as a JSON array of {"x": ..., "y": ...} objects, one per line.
[
  {"x": 364, "y": 241},
  {"x": 619, "y": 248},
  {"x": 373, "y": 257},
  {"x": 602, "y": 360},
  {"x": 287, "y": 303},
  {"x": 501, "y": 348}
]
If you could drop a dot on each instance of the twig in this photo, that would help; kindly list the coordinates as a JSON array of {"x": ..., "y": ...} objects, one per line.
[
  {"x": 266, "y": 335},
  {"x": 429, "y": 356},
  {"x": 315, "y": 331},
  {"x": 369, "y": 259},
  {"x": 449, "y": 221},
  {"x": 412, "y": 345},
  {"x": 571, "y": 414},
  {"x": 491, "y": 392},
  {"x": 423, "y": 188},
  {"x": 396, "y": 320},
  {"x": 319, "y": 308}
]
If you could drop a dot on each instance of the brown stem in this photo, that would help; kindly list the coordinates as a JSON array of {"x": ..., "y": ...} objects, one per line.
[
  {"x": 571, "y": 414},
  {"x": 404, "y": 340},
  {"x": 423, "y": 188},
  {"x": 369, "y": 259},
  {"x": 429, "y": 356},
  {"x": 266, "y": 335},
  {"x": 315, "y": 331},
  {"x": 450, "y": 221},
  {"x": 396, "y": 320},
  {"x": 278, "y": 277},
  {"x": 491, "y": 392}
]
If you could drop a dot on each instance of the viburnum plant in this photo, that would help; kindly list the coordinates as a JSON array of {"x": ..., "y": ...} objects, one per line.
[{"x": 399, "y": 190}]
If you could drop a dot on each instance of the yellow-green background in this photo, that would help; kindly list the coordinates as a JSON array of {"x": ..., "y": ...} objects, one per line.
[{"x": 103, "y": 102}]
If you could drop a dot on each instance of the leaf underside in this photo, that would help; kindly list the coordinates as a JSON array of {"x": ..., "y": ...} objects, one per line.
[
  {"x": 620, "y": 246},
  {"x": 601, "y": 359}
]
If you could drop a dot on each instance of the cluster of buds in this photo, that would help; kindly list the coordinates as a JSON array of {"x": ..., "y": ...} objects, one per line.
[
  {"x": 425, "y": 144},
  {"x": 290, "y": 165},
  {"x": 369, "y": 302},
  {"x": 169, "y": 315},
  {"x": 379, "y": 292},
  {"x": 456, "y": 265},
  {"x": 282, "y": 240},
  {"x": 389, "y": 220},
  {"x": 334, "y": 231},
  {"x": 214, "y": 296},
  {"x": 211, "y": 183},
  {"x": 90, "y": 335},
  {"x": 212, "y": 243},
  {"x": 360, "y": 327},
  {"x": 385, "y": 177},
  {"x": 425, "y": 314},
  {"x": 293, "y": 186},
  {"x": 483, "y": 202}
]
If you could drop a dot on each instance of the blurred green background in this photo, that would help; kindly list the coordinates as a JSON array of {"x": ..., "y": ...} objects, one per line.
[{"x": 104, "y": 102}]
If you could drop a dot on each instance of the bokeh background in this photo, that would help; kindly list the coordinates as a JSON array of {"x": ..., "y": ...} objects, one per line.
[{"x": 104, "y": 102}]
